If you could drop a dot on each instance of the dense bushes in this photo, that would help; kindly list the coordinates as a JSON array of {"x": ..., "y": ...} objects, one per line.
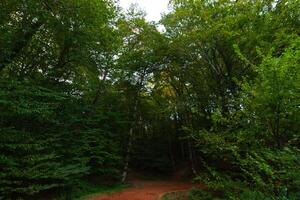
[
  {"x": 30, "y": 134},
  {"x": 53, "y": 128},
  {"x": 258, "y": 156},
  {"x": 47, "y": 142}
]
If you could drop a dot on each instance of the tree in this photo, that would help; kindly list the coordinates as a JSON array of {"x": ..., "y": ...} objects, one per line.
[
  {"x": 271, "y": 99},
  {"x": 137, "y": 63}
]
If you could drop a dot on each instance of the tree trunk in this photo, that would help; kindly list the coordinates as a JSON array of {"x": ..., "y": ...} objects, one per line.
[
  {"x": 133, "y": 125},
  {"x": 130, "y": 138},
  {"x": 171, "y": 152},
  {"x": 127, "y": 157},
  {"x": 191, "y": 157}
]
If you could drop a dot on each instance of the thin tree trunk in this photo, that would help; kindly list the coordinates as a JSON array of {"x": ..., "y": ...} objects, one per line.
[
  {"x": 182, "y": 150},
  {"x": 131, "y": 130},
  {"x": 191, "y": 157},
  {"x": 127, "y": 157},
  {"x": 171, "y": 152},
  {"x": 130, "y": 138}
]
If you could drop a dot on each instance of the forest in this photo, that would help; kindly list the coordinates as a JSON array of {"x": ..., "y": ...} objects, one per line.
[{"x": 91, "y": 93}]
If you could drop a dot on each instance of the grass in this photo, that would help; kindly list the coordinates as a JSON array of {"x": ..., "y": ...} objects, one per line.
[
  {"x": 86, "y": 190},
  {"x": 193, "y": 194},
  {"x": 176, "y": 196}
]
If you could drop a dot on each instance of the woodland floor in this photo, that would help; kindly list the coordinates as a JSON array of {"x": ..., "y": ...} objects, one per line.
[{"x": 148, "y": 189}]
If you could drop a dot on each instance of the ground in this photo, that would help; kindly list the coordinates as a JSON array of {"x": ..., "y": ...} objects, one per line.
[
  {"x": 146, "y": 190},
  {"x": 150, "y": 189}
]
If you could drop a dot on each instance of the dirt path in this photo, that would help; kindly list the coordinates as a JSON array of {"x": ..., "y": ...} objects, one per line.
[{"x": 146, "y": 190}]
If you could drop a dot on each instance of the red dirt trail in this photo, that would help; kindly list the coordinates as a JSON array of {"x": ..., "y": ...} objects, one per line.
[{"x": 146, "y": 190}]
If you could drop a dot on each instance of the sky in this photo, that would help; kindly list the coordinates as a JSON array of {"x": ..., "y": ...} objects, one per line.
[{"x": 154, "y": 8}]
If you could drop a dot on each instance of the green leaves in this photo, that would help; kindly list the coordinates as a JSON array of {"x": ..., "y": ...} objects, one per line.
[
  {"x": 46, "y": 141},
  {"x": 274, "y": 93},
  {"x": 219, "y": 87}
]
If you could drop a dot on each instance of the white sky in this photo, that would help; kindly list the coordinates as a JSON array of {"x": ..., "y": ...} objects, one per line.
[{"x": 154, "y": 8}]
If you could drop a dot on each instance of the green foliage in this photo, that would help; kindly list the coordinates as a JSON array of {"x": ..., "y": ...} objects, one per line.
[
  {"x": 30, "y": 139},
  {"x": 86, "y": 189},
  {"x": 236, "y": 91},
  {"x": 272, "y": 99},
  {"x": 251, "y": 151},
  {"x": 46, "y": 142},
  {"x": 52, "y": 131},
  {"x": 196, "y": 194},
  {"x": 85, "y": 91},
  {"x": 175, "y": 196}
]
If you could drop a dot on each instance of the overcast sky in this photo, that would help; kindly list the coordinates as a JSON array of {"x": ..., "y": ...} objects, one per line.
[{"x": 154, "y": 8}]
